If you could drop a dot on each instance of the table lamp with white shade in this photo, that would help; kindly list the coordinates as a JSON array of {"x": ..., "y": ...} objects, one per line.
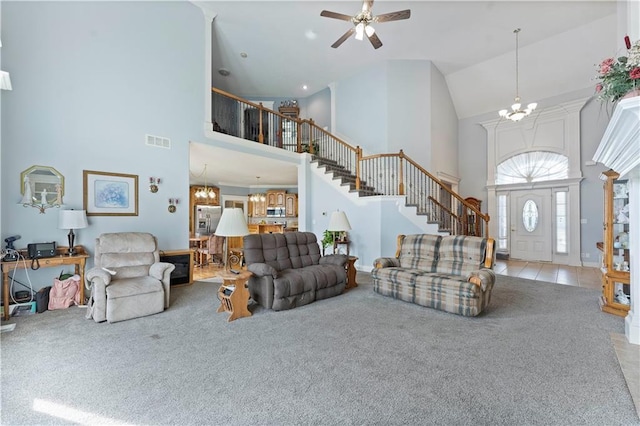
[
  {"x": 338, "y": 223},
  {"x": 72, "y": 219},
  {"x": 232, "y": 224}
]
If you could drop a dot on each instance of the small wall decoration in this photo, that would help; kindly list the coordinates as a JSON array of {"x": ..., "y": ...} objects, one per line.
[{"x": 110, "y": 194}]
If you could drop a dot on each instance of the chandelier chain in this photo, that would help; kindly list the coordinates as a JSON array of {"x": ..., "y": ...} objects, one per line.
[{"x": 517, "y": 31}]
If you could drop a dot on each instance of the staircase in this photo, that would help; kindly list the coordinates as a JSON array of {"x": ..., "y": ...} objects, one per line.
[
  {"x": 344, "y": 176},
  {"x": 373, "y": 175}
]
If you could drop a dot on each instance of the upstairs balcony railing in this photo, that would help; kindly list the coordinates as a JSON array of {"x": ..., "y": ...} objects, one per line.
[{"x": 380, "y": 174}]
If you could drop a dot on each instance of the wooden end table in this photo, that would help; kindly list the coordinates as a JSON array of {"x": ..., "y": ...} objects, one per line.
[
  {"x": 237, "y": 302},
  {"x": 351, "y": 272}
]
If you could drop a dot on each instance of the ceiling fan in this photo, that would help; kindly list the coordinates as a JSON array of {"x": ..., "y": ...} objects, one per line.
[{"x": 362, "y": 23}]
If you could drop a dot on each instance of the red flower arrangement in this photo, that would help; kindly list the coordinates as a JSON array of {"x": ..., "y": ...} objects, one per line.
[{"x": 619, "y": 76}]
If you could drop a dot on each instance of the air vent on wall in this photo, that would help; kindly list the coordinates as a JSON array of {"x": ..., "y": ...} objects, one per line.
[{"x": 158, "y": 141}]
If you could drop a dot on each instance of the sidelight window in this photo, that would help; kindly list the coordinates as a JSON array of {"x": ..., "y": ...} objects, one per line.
[{"x": 561, "y": 221}]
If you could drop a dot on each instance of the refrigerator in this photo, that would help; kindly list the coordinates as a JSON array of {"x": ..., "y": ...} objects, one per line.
[{"x": 206, "y": 219}]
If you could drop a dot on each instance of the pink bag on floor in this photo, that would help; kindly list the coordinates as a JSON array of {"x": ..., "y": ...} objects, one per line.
[{"x": 65, "y": 293}]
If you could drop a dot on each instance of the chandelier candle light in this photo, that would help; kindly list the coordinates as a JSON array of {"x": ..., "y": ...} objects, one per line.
[
  {"x": 205, "y": 192},
  {"x": 517, "y": 113},
  {"x": 257, "y": 197}
]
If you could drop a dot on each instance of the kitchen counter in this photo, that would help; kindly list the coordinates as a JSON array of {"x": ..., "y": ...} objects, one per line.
[{"x": 266, "y": 228}]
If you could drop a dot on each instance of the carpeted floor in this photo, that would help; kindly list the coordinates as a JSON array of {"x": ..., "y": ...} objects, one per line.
[{"x": 541, "y": 354}]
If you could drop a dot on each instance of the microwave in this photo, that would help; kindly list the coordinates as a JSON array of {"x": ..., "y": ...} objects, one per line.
[{"x": 276, "y": 212}]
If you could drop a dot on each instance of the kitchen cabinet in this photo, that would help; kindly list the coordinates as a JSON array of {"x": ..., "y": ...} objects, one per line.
[
  {"x": 291, "y": 205},
  {"x": 258, "y": 208},
  {"x": 275, "y": 198},
  {"x": 616, "y": 289}
]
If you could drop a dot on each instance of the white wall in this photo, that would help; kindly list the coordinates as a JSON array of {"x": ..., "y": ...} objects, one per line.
[
  {"x": 361, "y": 104},
  {"x": 443, "y": 127},
  {"x": 90, "y": 79},
  {"x": 409, "y": 113}
]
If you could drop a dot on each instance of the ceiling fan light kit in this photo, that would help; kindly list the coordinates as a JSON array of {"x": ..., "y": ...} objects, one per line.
[
  {"x": 362, "y": 23},
  {"x": 517, "y": 113}
]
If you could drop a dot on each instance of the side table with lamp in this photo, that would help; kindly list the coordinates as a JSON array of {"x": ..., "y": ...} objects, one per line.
[
  {"x": 233, "y": 294},
  {"x": 339, "y": 224}
]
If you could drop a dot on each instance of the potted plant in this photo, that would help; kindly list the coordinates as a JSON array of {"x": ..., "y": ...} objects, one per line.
[
  {"x": 327, "y": 240},
  {"x": 307, "y": 148}
]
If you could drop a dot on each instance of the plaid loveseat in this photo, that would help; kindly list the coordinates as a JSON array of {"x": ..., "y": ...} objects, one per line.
[
  {"x": 288, "y": 270},
  {"x": 451, "y": 273}
]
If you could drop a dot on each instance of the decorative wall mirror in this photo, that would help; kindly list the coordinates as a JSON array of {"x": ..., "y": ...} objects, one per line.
[{"x": 41, "y": 186}]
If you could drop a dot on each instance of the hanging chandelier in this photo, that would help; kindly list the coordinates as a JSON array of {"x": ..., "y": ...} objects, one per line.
[
  {"x": 257, "y": 197},
  {"x": 205, "y": 192},
  {"x": 517, "y": 113}
]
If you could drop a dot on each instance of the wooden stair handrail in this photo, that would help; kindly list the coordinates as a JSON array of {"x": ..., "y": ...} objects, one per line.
[{"x": 443, "y": 207}]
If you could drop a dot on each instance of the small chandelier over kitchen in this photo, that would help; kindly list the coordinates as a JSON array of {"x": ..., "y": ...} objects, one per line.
[
  {"x": 205, "y": 192},
  {"x": 517, "y": 113},
  {"x": 257, "y": 197}
]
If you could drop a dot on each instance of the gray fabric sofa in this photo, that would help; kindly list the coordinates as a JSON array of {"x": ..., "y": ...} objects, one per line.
[
  {"x": 288, "y": 270},
  {"x": 450, "y": 273},
  {"x": 128, "y": 280}
]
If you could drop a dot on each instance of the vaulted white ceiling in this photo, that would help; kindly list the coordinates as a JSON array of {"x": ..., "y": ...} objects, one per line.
[{"x": 287, "y": 45}]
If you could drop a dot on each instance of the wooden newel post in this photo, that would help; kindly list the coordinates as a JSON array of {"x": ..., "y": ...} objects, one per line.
[
  {"x": 299, "y": 135},
  {"x": 401, "y": 174},
  {"x": 358, "y": 159},
  {"x": 486, "y": 226}
]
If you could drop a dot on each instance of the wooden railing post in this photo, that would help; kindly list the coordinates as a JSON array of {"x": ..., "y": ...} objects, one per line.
[
  {"x": 312, "y": 149},
  {"x": 299, "y": 136},
  {"x": 401, "y": 175},
  {"x": 358, "y": 160},
  {"x": 260, "y": 133}
]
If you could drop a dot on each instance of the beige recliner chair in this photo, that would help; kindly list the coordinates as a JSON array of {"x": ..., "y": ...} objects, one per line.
[{"x": 128, "y": 280}]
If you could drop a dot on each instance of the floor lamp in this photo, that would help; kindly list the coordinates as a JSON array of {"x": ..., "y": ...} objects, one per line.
[{"x": 232, "y": 224}]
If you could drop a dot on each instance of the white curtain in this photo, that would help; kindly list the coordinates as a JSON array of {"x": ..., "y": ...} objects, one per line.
[{"x": 533, "y": 166}]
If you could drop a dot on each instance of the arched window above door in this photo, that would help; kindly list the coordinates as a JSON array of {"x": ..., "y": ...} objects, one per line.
[{"x": 534, "y": 166}]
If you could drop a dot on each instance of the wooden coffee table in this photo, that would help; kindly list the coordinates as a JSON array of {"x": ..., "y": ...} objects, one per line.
[{"x": 237, "y": 301}]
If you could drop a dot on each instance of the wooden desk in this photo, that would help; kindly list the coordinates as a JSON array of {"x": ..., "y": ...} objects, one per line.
[
  {"x": 63, "y": 258},
  {"x": 199, "y": 243},
  {"x": 237, "y": 302}
]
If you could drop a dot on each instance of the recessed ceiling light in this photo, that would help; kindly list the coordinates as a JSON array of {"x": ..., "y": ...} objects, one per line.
[
  {"x": 243, "y": 54},
  {"x": 224, "y": 72},
  {"x": 304, "y": 87}
]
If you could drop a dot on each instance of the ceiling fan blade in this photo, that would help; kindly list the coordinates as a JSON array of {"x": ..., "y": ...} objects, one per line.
[
  {"x": 343, "y": 38},
  {"x": 375, "y": 41},
  {"x": 335, "y": 15},
  {"x": 367, "y": 5},
  {"x": 394, "y": 16}
]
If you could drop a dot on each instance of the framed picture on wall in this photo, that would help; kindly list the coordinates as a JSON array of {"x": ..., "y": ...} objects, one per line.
[{"x": 110, "y": 194}]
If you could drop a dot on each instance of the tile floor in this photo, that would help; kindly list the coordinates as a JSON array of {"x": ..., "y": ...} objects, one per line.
[{"x": 579, "y": 276}]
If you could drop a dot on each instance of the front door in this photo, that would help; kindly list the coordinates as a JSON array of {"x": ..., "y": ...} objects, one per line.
[{"x": 531, "y": 223}]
